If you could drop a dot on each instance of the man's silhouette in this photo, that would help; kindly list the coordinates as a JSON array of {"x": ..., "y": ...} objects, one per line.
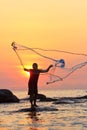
[{"x": 33, "y": 80}]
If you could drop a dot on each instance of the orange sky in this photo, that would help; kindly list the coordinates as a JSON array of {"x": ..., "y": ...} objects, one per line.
[{"x": 49, "y": 24}]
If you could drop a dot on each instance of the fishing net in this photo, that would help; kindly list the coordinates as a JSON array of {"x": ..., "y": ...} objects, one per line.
[{"x": 64, "y": 62}]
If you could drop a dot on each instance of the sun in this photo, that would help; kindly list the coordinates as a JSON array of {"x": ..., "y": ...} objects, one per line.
[{"x": 25, "y": 73}]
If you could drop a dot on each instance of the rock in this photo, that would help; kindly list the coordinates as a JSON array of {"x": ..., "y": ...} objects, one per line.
[
  {"x": 6, "y": 96},
  {"x": 48, "y": 99},
  {"x": 83, "y": 97},
  {"x": 71, "y": 100},
  {"x": 41, "y": 96}
]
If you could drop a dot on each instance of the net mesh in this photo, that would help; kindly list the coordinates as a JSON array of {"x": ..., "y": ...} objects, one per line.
[{"x": 64, "y": 62}]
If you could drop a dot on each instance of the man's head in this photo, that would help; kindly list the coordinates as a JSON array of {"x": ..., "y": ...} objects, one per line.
[{"x": 35, "y": 66}]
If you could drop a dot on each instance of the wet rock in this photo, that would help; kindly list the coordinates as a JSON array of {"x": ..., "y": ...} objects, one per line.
[
  {"x": 41, "y": 96},
  {"x": 71, "y": 100},
  {"x": 37, "y": 109},
  {"x": 47, "y": 99},
  {"x": 83, "y": 97},
  {"x": 6, "y": 96}
]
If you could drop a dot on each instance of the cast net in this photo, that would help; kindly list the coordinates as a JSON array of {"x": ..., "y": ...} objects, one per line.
[{"x": 64, "y": 62}]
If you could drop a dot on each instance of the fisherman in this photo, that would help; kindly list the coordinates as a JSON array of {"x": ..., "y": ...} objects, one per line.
[{"x": 33, "y": 81}]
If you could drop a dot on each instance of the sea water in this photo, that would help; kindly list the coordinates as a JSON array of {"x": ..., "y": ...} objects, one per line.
[{"x": 69, "y": 116}]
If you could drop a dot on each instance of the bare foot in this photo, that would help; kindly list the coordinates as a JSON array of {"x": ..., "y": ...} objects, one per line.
[{"x": 36, "y": 105}]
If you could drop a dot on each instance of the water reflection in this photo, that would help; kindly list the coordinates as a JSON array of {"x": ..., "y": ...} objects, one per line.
[
  {"x": 35, "y": 121},
  {"x": 37, "y": 128},
  {"x": 34, "y": 116}
]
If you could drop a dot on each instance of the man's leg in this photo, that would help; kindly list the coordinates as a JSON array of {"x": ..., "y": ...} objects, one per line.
[
  {"x": 32, "y": 100},
  {"x": 35, "y": 98}
]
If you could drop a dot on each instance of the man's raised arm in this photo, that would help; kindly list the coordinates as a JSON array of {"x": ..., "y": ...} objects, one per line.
[
  {"x": 26, "y": 69},
  {"x": 46, "y": 70}
]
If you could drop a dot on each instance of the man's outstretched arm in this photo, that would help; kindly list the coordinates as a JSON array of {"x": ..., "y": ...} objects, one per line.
[
  {"x": 26, "y": 69},
  {"x": 46, "y": 70}
]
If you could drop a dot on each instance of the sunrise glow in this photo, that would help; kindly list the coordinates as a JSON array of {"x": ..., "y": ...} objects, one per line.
[
  {"x": 26, "y": 74},
  {"x": 48, "y": 24}
]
